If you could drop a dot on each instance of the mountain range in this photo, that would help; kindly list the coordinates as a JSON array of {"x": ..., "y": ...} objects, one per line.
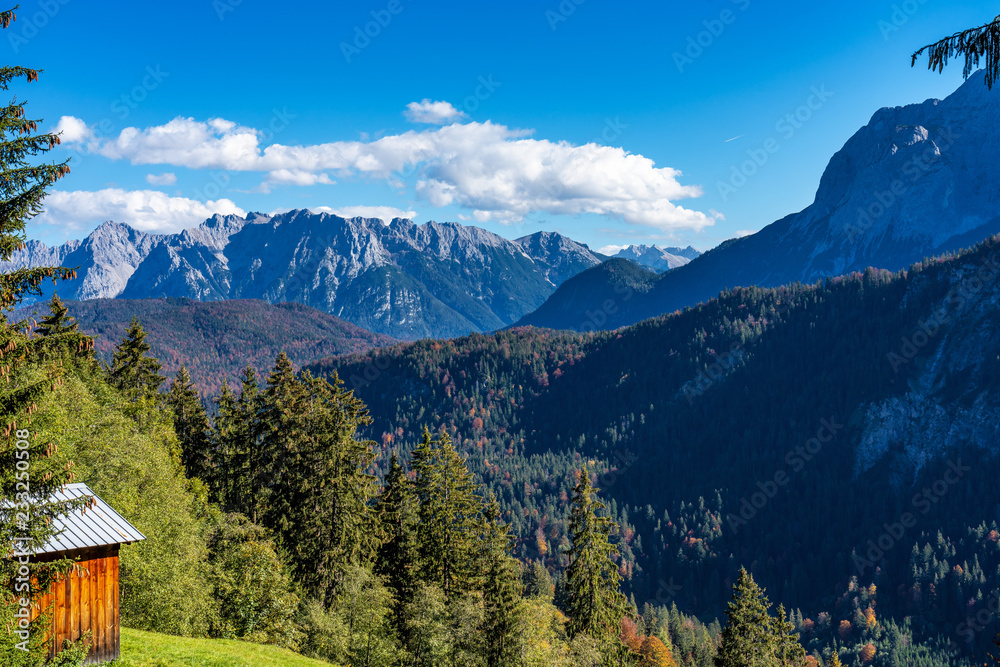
[
  {"x": 916, "y": 181},
  {"x": 657, "y": 258},
  {"x": 399, "y": 279}
]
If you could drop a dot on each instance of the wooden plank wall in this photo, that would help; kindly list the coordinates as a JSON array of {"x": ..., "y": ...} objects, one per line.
[{"x": 86, "y": 600}]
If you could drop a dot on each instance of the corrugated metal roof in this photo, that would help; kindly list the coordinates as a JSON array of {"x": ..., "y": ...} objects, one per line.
[{"x": 95, "y": 525}]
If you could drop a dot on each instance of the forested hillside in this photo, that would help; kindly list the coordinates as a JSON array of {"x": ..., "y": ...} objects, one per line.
[
  {"x": 837, "y": 438},
  {"x": 216, "y": 340}
]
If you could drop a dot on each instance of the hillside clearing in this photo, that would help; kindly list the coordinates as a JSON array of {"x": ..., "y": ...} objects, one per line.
[{"x": 148, "y": 649}]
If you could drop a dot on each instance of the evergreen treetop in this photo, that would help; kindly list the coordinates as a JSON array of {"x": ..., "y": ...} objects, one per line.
[
  {"x": 192, "y": 426},
  {"x": 449, "y": 509},
  {"x": 749, "y": 638},
  {"x": 132, "y": 369},
  {"x": 502, "y": 590},
  {"x": 59, "y": 322},
  {"x": 595, "y": 605},
  {"x": 23, "y": 185}
]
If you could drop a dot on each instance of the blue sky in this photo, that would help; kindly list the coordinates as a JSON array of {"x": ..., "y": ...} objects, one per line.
[{"x": 207, "y": 87}]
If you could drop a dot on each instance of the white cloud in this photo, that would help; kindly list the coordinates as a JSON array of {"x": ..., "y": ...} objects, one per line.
[
  {"x": 611, "y": 249},
  {"x": 432, "y": 113},
  {"x": 161, "y": 179},
  {"x": 494, "y": 172},
  {"x": 297, "y": 177},
  {"x": 745, "y": 232},
  {"x": 145, "y": 210},
  {"x": 385, "y": 213},
  {"x": 72, "y": 129},
  {"x": 216, "y": 144}
]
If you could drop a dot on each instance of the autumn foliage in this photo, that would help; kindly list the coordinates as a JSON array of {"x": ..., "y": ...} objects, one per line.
[
  {"x": 655, "y": 654},
  {"x": 651, "y": 650}
]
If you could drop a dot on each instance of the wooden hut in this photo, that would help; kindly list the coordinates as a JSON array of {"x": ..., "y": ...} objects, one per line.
[{"x": 86, "y": 599}]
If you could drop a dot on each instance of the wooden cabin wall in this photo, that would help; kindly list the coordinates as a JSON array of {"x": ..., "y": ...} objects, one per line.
[{"x": 86, "y": 600}]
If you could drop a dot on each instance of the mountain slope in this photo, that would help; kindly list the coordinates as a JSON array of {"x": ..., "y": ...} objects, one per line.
[
  {"x": 594, "y": 297},
  {"x": 916, "y": 181},
  {"x": 401, "y": 279},
  {"x": 217, "y": 340},
  {"x": 782, "y": 429}
]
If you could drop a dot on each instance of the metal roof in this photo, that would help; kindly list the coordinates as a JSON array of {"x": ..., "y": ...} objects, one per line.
[{"x": 94, "y": 525}]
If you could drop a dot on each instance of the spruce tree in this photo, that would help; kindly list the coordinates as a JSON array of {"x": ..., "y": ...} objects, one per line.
[
  {"x": 538, "y": 582},
  {"x": 192, "y": 427},
  {"x": 974, "y": 43},
  {"x": 133, "y": 370},
  {"x": 449, "y": 511},
  {"x": 501, "y": 591},
  {"x": 396, "y": 559},
  {"x": 59, "y": 322},
  {"x": 23, "y": 186},
  {"x": 335, "y": 483},
  {"x": 222, "y": 486},
  {"x": 595, "y": 605},
  {"x": 237, "y": 433},
  {"x": 318, "y": 476},
  {"x": 748, "y": 639},
  {"x": 30, "y": 468},
  {"x": 788, "y": 650},
  {"x": 281, "y": 404},
  {"x": 59, "y": 336}
]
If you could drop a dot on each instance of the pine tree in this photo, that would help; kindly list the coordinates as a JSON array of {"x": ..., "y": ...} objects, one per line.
[
  {"x": 132, "y": 370},
  {"x": 396, "y": 559},
  {"x": 748, "y": 639},
  {"x": 449, "y": 516},
  {"x": 595, "y": 605},
  {"x": 192, "y": 427},
  {"x": 30, "y": 468},
  {"x": 501, "y": 591}
]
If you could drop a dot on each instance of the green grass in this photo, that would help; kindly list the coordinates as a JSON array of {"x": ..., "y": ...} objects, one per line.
[{"x": 148, "y": 649}]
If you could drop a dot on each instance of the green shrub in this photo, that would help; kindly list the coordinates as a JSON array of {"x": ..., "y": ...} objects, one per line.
[
  {"x": 252, "y": 586},
  {"x": 357, "y": 630}
]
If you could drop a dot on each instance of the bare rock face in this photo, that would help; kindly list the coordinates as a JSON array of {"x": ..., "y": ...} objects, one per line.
[{"x": 402, "y": 279}]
